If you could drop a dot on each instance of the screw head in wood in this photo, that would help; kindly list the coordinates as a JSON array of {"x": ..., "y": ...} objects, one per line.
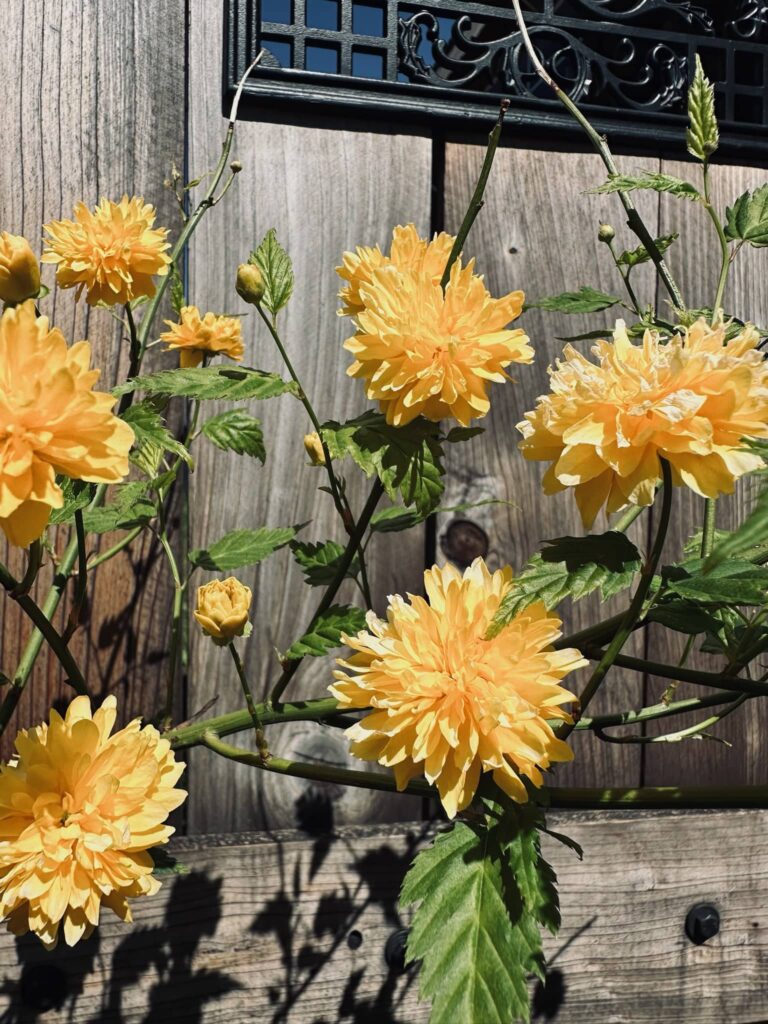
[
  {"x": 702, "y": 922},
  {"x": 463, "y": 542},
  {"x": 394, "y": 950}
]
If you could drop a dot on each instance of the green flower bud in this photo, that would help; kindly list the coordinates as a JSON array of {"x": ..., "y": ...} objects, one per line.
[
  {"x": 250, "y": 284},
  {"x": 606, "y": 234}
]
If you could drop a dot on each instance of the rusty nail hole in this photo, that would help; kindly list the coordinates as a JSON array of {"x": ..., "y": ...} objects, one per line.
[{"x": 463, "y": 542}]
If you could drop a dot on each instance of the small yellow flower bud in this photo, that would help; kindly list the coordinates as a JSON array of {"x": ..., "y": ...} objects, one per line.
[
  {"x": 314, "y": 447},
  {"x": 235, "y": 167},
  {"x": 19, "y": 270},
  {"x": 250, "y": 284},
  {"x": 222, "y": 609},
  {"x": 606, "y": 233}
]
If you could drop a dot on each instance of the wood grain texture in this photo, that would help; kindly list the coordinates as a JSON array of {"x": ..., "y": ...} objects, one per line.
[
  {"x": 292, "y": 929},
  {"x": 96, "y": 109},
  {"x": 324, "y": 192},
  {"x": 537, "y": 232}
]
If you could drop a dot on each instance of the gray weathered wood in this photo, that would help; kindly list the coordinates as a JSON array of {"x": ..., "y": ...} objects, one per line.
[{"x": 288, "y": 928}]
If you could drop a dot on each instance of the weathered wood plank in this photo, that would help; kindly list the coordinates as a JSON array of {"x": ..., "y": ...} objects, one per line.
[
  {"x": 96, "y": 109},
  {"x": 324, "y": 191},
  {"x": 291, "y": 929}
]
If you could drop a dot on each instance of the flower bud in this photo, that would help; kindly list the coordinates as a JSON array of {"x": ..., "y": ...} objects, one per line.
[
  {"x": 235, "y": 167},
  {"x": 19, "y": 270},
  {"x": 222, "y": 609},
  {"x": 314, "y": 447},
  {"x": 606, "y": 233},
  {"x": 250, "y": 284}
]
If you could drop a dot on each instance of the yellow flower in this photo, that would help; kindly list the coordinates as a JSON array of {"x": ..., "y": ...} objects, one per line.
[
  {"x": 19, "y": 272},
  {"x": 690, "y": 400},
  {"x": 79, "y": 809},
  {"x": 314, "y": 448},
  {"x": 422, "y": 352},
  {"x": 450, "y": 703},
  {"x": 113, "y": 252},
  {"x": 222, "y": 609},
  {"x": 51, "y": 421},
  {"x": 198, "y": 336}
]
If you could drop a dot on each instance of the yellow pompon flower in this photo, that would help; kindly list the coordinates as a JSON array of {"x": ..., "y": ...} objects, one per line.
[
  {"x": 198, "y": 336},
  {"x": 690, "y": 400},
  {"x": 19, "y": 270},
  {"x": 51, "y": 421},
  {"x": 79, "y": 811},
  {"x": 222, "y": 609},
  {"x": 451, "y": 704},
  {"x": 112, "y": 252}
]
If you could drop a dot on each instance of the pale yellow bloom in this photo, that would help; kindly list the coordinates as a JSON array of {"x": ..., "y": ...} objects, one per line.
[
  {"x": 198, "y": 336},
  {"x": 314, "y": 448},
  {"x": 19, "y": 270},
  {"x": 51, "y": 421},
  {"x": 79, "y": 809},
  {"x": 690, "y": 400},
  {"x": 422, "y": 352},
  {"x": 222, "y": 609},
  {"x": 113, "y": 252},
  {"x": 450, "y": 704}
]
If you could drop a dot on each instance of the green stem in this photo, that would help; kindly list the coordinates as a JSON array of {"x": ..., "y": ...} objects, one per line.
[
  {"x": 82, "y": 577},
  {"x": 34, "y": 560},
  {"x": 736, "y": 684},
  {"x": 708, "y": 528},
  {"x": 624, "y": 274},
  {"x": 261, "y": 742},
  {"x": 660, "y": 796},
  {"x": 678, "y": 734},
  {"x": 725, "y": 256},
  {"x": 655, "y": 711},
  {"x": 116, "y": 548}
]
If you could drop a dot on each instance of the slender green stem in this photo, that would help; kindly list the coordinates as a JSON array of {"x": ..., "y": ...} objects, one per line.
[
  {"x": 725, "y": 255},
  {"x": 624, "y": 274},
  {"x": 708, "y": 529},
  {"x": 82, "y": 577},
  {"x": 34, "y": 561},
  {"x": 655, "y": 711},
  {"x": 624, "y": 521},
  {"x": 173, "y": 653},
  {"x": 660, "y": 796},
  {"x": 261, "y": 742},
  {"x": 678, "y": 734},
  {"x": 598, "y": 633},
  {"x": 123, "y": 543}
]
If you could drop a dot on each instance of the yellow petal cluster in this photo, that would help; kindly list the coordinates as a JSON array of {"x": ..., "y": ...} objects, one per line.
[
  {"x": 691, "y": 400},
  {"x": 19, "y": 271},
  {"x": 313, "y": 446},
  {"x": 222, "y": 609},
  {"x": 450, "y": 703},
  {"x": 51, "y": 421},
  {"x": 113, "y": 252},
  {"x": 197, "y": 336},
  {"x": 419, "y": 351},
  {"x": 79, "y": 809}
]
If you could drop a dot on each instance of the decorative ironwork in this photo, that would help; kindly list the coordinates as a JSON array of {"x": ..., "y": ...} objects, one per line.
[{"x": 627, "y": 62}]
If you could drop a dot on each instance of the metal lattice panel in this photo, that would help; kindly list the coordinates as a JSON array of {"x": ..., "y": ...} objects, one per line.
[{"x": 627, "y": 62}]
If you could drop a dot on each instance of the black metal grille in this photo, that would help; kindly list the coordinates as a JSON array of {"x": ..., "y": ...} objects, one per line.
[{"x": 627, "y": 62}]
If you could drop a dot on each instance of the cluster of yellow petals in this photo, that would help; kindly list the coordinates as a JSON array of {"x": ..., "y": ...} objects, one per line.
[
  {"x": 691, "y": 400},
  {"x": 450, "y": 703},
  {"x": 113, "y": 252},
  {"x": 19, "y": 271},
  {"x": 51, "y": 421},
  {"x": 79, "y": 809},
  {"x": 197, "y": 336},
  {"x": 422, "y": 352},
  {"x": 222, "y": 609}
]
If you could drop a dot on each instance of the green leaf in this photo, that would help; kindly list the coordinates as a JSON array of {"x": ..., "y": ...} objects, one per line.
[
  {"x": 747, "y": 219},
  {"x": 702, "y": 136},
  {"x": 77, "y": 494},
  {"x": 320, "y": 562},
  {"x": 231, "y": 382},
  {"x": 177, "y": 290},
  {"x": 752, "y": 533},
  {"x": 612, "y": 550},
  {"x": 649, "y": 180},
  {"x": 165, "y": 863},
  {"x": 407, "y": 460},
  {"x": 238, "y": 432},
  {"x": 325, "y": 632},
  {"x": 683, "y": 617},
  {"x": 241, "y": 547},
  {"x": 633, "y": 257},
  {"x": 131, "y": 507},
  {"x": 585, "y": 300},
  {"x": 458, "y": 434},
  {"x": 735, "y": 582},
  {"x": 275, "y": 266},
  {"x": 395, "y": 519},
  {"x": 152, "y": 438}
]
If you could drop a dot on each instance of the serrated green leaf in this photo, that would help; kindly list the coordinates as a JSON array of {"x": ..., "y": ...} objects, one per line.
[
  {"x": 241, "y": 547},
  {"x": 585, "y": 300},
  {"x": 612, "y": 550},
  {"x": 236, "y": 431},
  {"x": 325, "y": 632},
  {"x": 153, "y": 438},
  {"x": 683, "y": 617},
  {"x": 634, "y": 257},
  {"x": 77, "y": 495},
  {"x": 747, "y": 219},
  {"x": 649, "y": 180},
  {"x": 275, "y": 266},
  {"x": 131, "y": 507},
  {"x": 733, "y": 582},
  {"x": 752, "y": 533},
  {"x": 230, "y": 382},
  {"x": 702, "y": 136},
  {"x": 320, "y": 562},
  {"x": 456, "y": 435},
  {"x": 395, "y": 519}
]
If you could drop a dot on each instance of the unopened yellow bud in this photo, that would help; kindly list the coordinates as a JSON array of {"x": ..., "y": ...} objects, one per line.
[
  {"x": 222, "y": 609},
  {"x": 314, "y": 447},
  {"x": 19, "y": 270},
  {"x": 250, "y": 284},
  {"x": 606, "y": 233}
]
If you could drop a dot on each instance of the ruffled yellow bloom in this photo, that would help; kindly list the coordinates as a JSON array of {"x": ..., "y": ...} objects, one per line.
[
  {"x": 422, "y": 352},
  {"x": 51, "y": 421},
  {"x": 451, "y": 704},
  {"x": 112, "y": 252},
  {"x": 691, "y": 400},
  {"x": 79, "y": 809},
  {"x": 222, "y": 609},
  {"x": 198, "y": 336},
  {"x": 19, "y": 271}
]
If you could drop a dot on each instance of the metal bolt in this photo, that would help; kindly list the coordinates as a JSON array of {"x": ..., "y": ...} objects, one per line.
[
  {"x": 463, "y": 542},
  {"x": 394, "y": 950},
  {"x": 702, "y": 922}
]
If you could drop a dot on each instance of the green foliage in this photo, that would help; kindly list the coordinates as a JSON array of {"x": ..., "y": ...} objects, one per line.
[
  {"x": 613, "y": 551},
  {"x": 649, "y": 180},
  {"x": 230, "y": 382},
  {"x": 585, "y": 300},
  {"x": 325, "y": 631},
  {"x": 456, "y": 435},
  {"x": 236, "y": 431},
  {"x": 407, "y": 460},
  {"x": 176, "y": 290},
  {"x": 752, "y": 534},
  {"x": 747, "y": 219},
  {"x": 735, "y": 583},
  {"x": 320, "y": 562},
  {"x": 395, "y": 519},
  {"x": 77, "y": 495},
  {"x": 165, "y": 863},
  {"x": 634, "y": 257},
  {"x": 683, "y": 617},
  {"x": 275, "y": 266},
  {"x": 153, "y": 438},
  {"x": 702, "y": 136},
  {"x": 132, "y": 506},
  {"x": 242, "y": 547}
]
